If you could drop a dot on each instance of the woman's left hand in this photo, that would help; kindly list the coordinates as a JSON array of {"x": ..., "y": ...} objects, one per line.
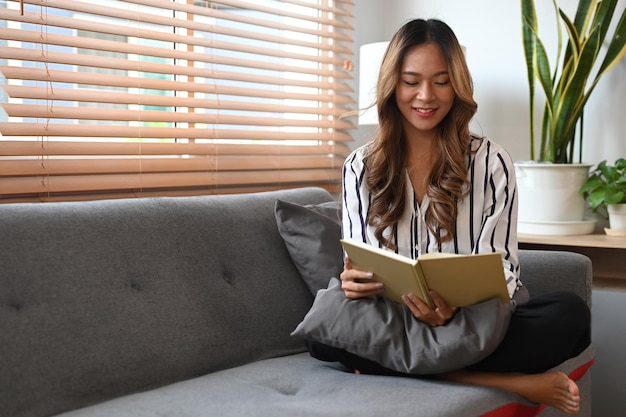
[{"x": 437, "y": 317}]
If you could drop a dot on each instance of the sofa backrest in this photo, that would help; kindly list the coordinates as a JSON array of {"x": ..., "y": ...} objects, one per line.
[{"x": 101, "y": 299}]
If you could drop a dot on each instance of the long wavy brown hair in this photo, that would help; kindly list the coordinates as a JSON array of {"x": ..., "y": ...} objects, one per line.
[{"x": 386, "y": 158}]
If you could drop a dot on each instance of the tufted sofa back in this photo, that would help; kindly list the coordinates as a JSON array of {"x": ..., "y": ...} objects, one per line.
[{"x": 101, "y": 299}]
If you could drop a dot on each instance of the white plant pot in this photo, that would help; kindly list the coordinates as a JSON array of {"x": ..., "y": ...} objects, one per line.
[
  {"x": 617, "y": 216},
  {"x": 549, "y": 198}
]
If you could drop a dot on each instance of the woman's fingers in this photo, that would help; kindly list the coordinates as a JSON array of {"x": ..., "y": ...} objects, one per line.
[
  {"x": 443, "y": 310},
  {"x": 438, "y": 316},
  {"x": 420, "y": 309},
  {"x": 358, "y": 284},
  {"x": 359, "y": 290}
]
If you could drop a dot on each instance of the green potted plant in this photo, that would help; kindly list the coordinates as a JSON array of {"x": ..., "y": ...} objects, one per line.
[
  {"x": 606, "y": 188},
  {"x": 567, "y": 86}
]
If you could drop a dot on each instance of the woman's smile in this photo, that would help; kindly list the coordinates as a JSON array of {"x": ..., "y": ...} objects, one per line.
[{"x": 425, "y": 112}]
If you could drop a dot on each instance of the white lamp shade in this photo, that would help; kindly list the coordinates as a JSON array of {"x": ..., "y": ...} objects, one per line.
[{"x": 370, "y": 57}]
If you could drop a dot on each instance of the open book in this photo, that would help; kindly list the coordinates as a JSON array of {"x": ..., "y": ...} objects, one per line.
[{"x": 461, "y": 280}]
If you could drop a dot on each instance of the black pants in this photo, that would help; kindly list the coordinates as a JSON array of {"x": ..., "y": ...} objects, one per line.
[{"x": 543, "y": 332}]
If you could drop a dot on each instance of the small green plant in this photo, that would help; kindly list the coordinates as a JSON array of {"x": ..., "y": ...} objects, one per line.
[{"x": 606, "y": 185}]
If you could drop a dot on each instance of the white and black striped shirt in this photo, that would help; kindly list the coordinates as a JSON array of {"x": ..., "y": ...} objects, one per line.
[{"x": 486, "y": 219}]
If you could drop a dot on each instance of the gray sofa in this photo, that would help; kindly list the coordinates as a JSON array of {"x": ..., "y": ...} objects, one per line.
[{"x": 184, "y": 307}]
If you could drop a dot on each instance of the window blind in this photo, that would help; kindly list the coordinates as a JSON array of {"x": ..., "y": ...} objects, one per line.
[{"x": 109, "y": 99}]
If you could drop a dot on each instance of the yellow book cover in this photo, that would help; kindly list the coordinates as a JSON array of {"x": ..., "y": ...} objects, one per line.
[{"x": 461, "y": 280}]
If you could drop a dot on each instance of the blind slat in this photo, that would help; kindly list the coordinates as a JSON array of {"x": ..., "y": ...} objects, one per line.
[
  {"x": 143, "y": 66},
  {"x": 166, "y": 116},
  {"x": 91, "y": 95},
  {"x": 62, "y": 148},
  {"x": 72, "y": 183},
  {"x": 160, "y": 192},
  {"x": 65, "y": 130},
  {"x": 47, "y": 75},
  {"x": 54, "y": 167}
]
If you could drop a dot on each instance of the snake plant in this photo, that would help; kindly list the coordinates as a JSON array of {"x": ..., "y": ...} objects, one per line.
[{"x": 569, "y": 86}]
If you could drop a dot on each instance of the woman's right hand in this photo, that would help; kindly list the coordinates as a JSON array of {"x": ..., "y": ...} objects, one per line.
[{"x": 358, "y": 284}]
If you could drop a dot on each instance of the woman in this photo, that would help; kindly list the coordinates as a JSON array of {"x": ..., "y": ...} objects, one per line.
[{"x": 425, "y": 184}]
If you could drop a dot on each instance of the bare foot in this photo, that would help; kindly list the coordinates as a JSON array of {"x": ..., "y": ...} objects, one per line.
[{"x": 551, "y": 388}]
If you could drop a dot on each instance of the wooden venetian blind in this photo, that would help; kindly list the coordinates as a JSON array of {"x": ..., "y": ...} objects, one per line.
[{"x": 108, "y": 98}]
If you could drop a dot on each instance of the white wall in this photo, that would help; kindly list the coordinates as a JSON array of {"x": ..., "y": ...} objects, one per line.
[
  {"x": 369, "y": 26},
  {"x": 491, "y": 32}
]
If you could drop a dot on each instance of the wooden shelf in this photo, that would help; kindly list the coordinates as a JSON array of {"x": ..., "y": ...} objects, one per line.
[
  {"x": 592, "y": 240},
  {"x": 607, "y": 254}
]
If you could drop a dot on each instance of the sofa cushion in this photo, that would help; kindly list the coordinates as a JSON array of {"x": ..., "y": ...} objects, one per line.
[
  {"x": 386, "y": 332},
  {"x": 311, "y": 233},
  {"x": 299, "y": 385}
]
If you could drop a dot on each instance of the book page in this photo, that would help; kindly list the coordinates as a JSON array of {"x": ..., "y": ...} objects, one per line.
[{"x": 465, "y": 279}]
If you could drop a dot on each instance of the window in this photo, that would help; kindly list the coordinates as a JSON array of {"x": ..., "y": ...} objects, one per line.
[{"x": 109, "y": 99}]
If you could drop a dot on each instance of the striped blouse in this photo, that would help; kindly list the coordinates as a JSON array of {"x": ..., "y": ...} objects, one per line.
[{"x": 487, "y": 216}]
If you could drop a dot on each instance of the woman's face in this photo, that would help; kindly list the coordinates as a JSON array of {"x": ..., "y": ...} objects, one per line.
[{"x": 424, "y": 93}]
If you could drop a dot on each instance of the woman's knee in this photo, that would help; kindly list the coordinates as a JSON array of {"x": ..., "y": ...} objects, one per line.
[
  {"x": 572, "y": 321},
  {"x": 573, "y": 307}
]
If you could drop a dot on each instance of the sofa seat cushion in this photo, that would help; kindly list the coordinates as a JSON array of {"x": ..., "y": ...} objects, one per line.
[{"x": 298, "y": 385}]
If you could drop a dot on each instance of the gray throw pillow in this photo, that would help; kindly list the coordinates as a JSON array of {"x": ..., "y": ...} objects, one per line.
[
  {"x": 386, "y": 332},
  {"x": 311, "y": 234}
]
